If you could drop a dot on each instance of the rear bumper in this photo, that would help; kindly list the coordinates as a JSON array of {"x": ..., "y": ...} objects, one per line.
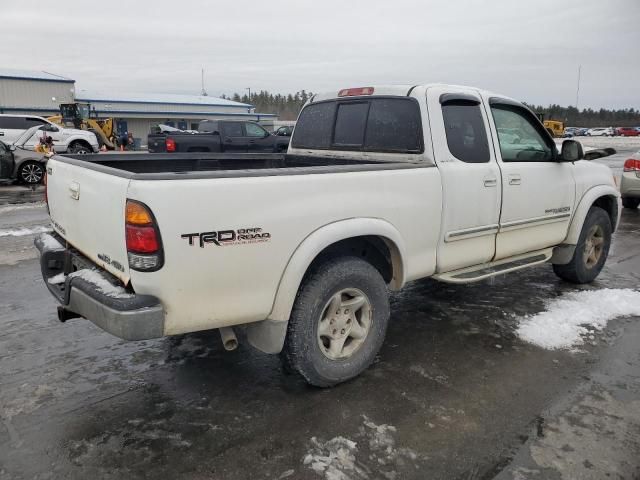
[
  {"x": 630, "y": 185},
  {"x": 123, "y": 314}
]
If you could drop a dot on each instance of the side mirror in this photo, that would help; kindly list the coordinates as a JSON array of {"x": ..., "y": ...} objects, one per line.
[
  {"x": 571, "y": 151},
  {"x": 12, "y": 148}
]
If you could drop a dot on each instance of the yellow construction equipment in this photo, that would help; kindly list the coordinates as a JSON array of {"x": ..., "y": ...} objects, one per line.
[
  {"x": 79, "y": 115},
  {"x": 554, "y": 127}
]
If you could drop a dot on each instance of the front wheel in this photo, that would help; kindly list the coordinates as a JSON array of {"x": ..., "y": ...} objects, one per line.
[
  {"x": 630, "y": 202},
  {"x": 591, "y": 251},
  {"x": 338, "y": 322},
  {"x": 79, "y": 148},
  {"x": 31, "y": 173}
]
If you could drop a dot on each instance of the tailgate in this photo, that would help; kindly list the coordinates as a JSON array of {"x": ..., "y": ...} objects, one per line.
[
  {"x": 87, "y": 210},
  {"x": 156, "y": 143}
]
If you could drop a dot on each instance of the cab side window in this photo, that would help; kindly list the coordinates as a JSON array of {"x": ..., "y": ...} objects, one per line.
[
  {"x": 521, "y": 140},
  {"x": 232, "y": 129},
  {"x": 254, "y": 130},
  {"x": 466, "y": 136}
]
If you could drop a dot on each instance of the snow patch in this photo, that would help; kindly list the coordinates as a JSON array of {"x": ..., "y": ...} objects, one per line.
[
  {"x": 21, "y": 206},
  {"x": 101, "y": 283},
  {"x": 335, "y": 459},
  {"x": 49, "y": 242},
  {"x": 57, "y": 280},
  {"x": 21, "y": 232},
  {"x": 576, "y": 315}
]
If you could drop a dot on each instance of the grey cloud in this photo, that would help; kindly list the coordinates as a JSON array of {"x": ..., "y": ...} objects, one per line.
[{"x": 526, "y": 49}]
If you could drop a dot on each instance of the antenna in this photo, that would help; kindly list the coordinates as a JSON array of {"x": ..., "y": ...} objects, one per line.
[
  {"x": 203, "y": 92},
  {"x": 578, "y": 87}
]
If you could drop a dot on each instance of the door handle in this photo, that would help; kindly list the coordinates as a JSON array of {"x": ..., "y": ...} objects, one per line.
[
  {"x": 228, "y": 140},
  {"x": 490, "y": 182},
  {"x": 515, "y": 180}
]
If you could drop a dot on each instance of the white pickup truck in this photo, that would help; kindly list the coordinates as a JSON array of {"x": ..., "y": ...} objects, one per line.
[{"x": 380, "y": 186}]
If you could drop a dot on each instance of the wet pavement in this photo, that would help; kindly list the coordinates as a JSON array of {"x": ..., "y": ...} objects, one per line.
[{"x": 453, "y": 394}]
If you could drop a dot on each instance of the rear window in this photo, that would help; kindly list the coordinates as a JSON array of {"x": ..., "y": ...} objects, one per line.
[
  {"x": 315, "y": 125},
  {"x": 375, "y": 125},
  {"x": 351, "y": 121}
]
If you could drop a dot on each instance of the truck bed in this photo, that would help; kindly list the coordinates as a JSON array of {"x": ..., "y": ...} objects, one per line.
[{"x": 161, "y": 166}]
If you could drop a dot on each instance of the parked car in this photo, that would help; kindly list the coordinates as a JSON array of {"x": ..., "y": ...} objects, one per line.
[
  {"x": 70, "y": 140},
  {"x": 627, "y": 131},
  {"x": 630, "y": 183},
  {"x": 601, "y": 132},
  {"x": 284, "y": 131},
  {"x": 22, "y": 164},
  {"x": 301, "y": 248},
  {"x": 218, "y": 136},
  {"x": 570, "y": 132},
  {"x": 581, "y": 132}
]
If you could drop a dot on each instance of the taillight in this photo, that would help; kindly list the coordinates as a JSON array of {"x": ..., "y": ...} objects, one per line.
[
  {"x": 354, "y": 92},
  {"x": 632, "y": 165},
  {"x": 144, "y": 245},
  {"x": 170, "y": 143},
  {"x": 46, "y": 193}
]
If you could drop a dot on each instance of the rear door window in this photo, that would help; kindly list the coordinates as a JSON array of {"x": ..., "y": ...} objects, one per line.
[
  {"x": 466, "y": 135},
  {"x": 233, "y": 129},
  {"x": 13, "y": 123}
]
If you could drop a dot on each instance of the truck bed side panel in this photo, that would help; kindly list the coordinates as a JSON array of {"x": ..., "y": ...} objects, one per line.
[{"x": 204, "y": 285}]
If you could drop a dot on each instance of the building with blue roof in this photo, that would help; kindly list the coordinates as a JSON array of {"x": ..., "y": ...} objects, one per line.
[{"x": 40, "y": 93}]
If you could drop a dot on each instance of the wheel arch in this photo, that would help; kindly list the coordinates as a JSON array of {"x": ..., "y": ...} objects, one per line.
[
  {"x": 375, "y": 240},
  {"x": 603, "y": 196},
  {"x": 81, "y": 141}
]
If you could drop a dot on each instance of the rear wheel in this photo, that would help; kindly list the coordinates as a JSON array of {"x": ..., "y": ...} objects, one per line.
[
  {"x": 630, "y": 202},
  {"x": 338, "y": 322},
  {"x": 31, "y": 173},
  {"x": 591, "y": 251}
]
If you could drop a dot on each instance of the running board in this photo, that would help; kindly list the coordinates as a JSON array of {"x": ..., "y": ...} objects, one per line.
[{"x": 491, "y": 269}]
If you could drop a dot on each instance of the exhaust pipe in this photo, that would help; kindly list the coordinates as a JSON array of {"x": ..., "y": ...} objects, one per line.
[
  {"x": 64, "y": 314},
  {"x": 229, "y": 339}
]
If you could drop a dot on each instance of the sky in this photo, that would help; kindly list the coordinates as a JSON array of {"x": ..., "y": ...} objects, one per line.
[{"x": 526, "y": 49}]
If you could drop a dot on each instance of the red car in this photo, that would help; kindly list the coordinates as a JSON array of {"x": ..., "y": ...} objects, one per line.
[{"x": 627, "y": 132}]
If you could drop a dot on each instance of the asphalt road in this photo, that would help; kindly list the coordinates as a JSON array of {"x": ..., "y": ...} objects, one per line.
[{"x": 454, "y": 394}]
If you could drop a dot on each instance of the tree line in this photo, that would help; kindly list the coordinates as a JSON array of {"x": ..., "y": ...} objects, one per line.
[
  {"x": 588, "y": 117},
  {"x": 288, "y": 106}
]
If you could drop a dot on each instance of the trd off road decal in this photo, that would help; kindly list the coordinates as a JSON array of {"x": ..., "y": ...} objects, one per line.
[{"x": 223, "y": 238}]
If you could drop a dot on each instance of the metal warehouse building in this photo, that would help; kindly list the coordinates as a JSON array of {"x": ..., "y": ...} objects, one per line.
[
  {"x": 40, "y": 93},
  {"x": 34, "y": 93},
  {"x": 136, "y": 113}
]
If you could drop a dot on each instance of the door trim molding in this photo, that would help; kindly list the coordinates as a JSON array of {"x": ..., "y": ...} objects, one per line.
[
  {"x": 471, "y": 232},
  {"x": 513, "y": 225}
]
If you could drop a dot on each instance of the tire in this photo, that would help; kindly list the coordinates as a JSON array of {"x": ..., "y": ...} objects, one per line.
[
  {"x": 595, "y": 237},
  {"x": 630, "y": 202},
  {"x": 324, "y": 358},
  {"x": 79, "y": 148},
  {"x": 31, "y": 172}
]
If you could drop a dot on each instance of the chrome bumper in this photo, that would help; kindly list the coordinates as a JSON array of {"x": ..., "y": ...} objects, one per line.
[{"x": 128, "y": 316}]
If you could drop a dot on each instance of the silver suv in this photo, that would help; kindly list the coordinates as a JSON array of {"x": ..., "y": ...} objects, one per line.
[{"x": 630, "y": 185}]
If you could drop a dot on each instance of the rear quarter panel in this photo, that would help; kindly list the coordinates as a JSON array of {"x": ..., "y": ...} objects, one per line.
[{"x": 213, "y": 286}]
